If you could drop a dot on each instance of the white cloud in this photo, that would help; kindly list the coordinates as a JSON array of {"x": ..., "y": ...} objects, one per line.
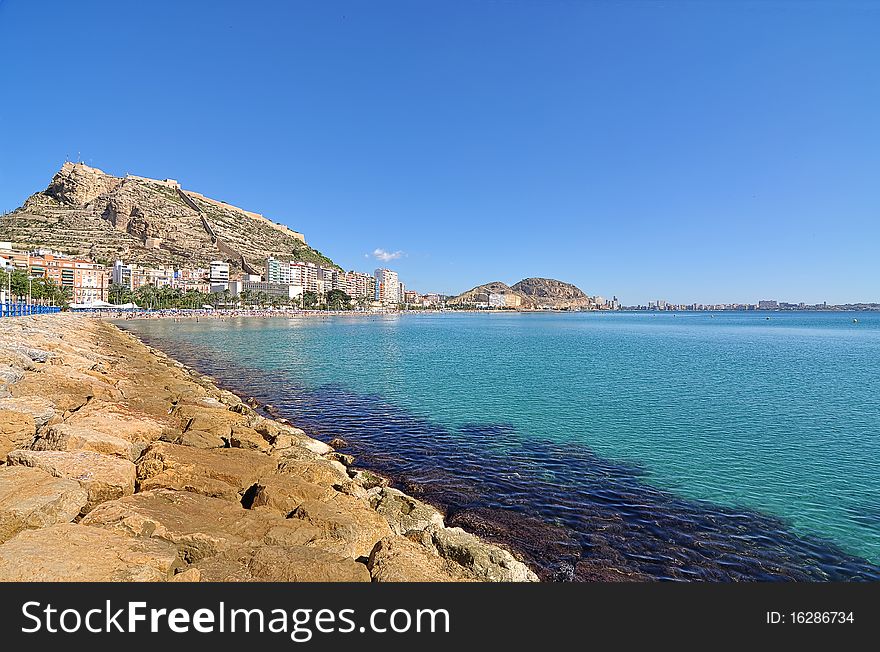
[{"x": 385, "y": 256}]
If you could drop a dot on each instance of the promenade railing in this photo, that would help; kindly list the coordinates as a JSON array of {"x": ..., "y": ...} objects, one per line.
[{"x": 23, "y": 309}]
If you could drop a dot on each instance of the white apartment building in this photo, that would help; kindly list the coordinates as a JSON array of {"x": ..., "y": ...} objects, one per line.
[
  {"x": 277, "y": 271},
  {"x": 134, "y": 276},
  {"x": 218, "y": 273},
  {"x": 387, "y": 286},
  {"x": 284, "y": 291},
  {"x": 306, "y": 275}
]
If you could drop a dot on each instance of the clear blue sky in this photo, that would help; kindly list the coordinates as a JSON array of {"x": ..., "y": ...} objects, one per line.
[{"x": 697, "y": 151}]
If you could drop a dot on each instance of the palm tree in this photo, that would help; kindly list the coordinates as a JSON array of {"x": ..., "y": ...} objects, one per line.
[{"x": 309, "y": 299}]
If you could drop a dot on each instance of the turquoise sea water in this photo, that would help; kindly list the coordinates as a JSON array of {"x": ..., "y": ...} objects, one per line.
[{"x": 714, "y": 416}]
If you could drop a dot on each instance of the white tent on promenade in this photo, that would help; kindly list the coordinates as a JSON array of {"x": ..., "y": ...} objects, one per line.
[{"x": 103, "y": 305}]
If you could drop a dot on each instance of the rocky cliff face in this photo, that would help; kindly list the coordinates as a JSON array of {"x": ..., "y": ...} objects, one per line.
[
  {"x": 147, "y": 221},
  {"x": 548, "y": 292}
]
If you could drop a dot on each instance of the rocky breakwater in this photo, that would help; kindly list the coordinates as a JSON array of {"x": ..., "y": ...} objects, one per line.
[{"x": 119, "y": 464}]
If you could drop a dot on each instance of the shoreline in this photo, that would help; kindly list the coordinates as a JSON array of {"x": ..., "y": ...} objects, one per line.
[
  {"x": 550, "y": 521},
  {"x": 256, "y": 313},
  {"x": 122, "y": 464}
]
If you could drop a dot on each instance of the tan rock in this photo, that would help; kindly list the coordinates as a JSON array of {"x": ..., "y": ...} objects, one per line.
[
  {"x": 69, "y": 389},
  {"x": 221, "y": 473},
  {"x": 195, "y": 439},
  {"x": 104, "y": 478},
  {"x": 67, "y": 437},
  {"x": 17, "y": 430},
  {"x": 113, "y": 419},
  {"x": 10, "y": 374},
  {"x": 404, "y": 513},
  {"x": 270, "y": 429},
  {"x": 281, "y": 564},
  {"x": 397, "y": 559},
  {"x": 249, "y": 439},
  {"x": 189, "y": 575},
  {"x": 284, "y": 493},
  {"x": 217, "y": 421},
  {"x": 319, "y": 472},
  {"x": 75, "y": 553},
  {"x": 31, "y": 498},
  {"x": 485, "y": 561},
  {"x": 342, "y": 458},
  {"x": 347, "y": 525},
  {"x": 41, "y": 409},
  {"x": 282, "y": 442},
  {"x": 199, "y": 526}
]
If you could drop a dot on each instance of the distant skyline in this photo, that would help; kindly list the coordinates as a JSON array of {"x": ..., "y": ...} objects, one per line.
[{"x": 710, "y": 152}]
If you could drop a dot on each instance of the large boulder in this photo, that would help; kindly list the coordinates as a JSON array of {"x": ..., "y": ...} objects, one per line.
[
  {"x": 397, "y": 559},
  {"x": 69, "y": 389},
  {"x": 320, "y": 472},
  {"x": 284, "y": 493},
  {"x": 17, "y": 430},
  {"x": 404, "y": 513},
  {"x": 41, "y": 409},
  {"x": 104, "y": 478},
  {"x": 113, "y": 419},
  {"x": 281, "y": 564},
  {"x": 222, "y": 473},
  {"x": 31, "y": 498},
  {"x": 75, "y": 553},
  {"x": 216, "y": 421},
  {"x": 249, "y": 439},
  {"x": 346, "y": 524},
  {"x": 67, "y": 437},
  {"x": 9, "y": 374},
  {"x": 195, "y": 439},
  {"x": 483, "y": 561},
  {"x": 11, "y": 357},
  {"x": 199, "y": 526}
]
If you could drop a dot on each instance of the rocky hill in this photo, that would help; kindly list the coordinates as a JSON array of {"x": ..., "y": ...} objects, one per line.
[
  {"x": 548, "y": 292},
  {"x": 533, "y": 293},
  {"x": 479, "y": 294},
  {"x": 88, "y": 212}
]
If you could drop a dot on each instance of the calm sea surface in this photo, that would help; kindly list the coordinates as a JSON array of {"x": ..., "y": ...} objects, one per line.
[{"x": 603, "y": 445}]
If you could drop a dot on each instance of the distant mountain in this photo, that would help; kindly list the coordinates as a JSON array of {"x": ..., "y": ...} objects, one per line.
[
  {"x": 548, "y": 292},
  {"x": 87, "y": 212},
  {"x": 480, "y": 294},
  {"x": 531, "y": 293}
]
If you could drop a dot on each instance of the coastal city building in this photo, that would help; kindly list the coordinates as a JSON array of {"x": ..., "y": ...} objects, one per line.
[
  {"x": 309, "y": 276},
  {"x": 218, "y": 274},
  {"x": 410, "y": 297},
  {"x": 329, "y": 279},
  {"x": 134, "y": 277},
  {"x": 283, "y": 291},
  {"x": 359, "y": 285},
  {"x": 84, "y": 280},
  {"x": 387, "y": 287}
]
